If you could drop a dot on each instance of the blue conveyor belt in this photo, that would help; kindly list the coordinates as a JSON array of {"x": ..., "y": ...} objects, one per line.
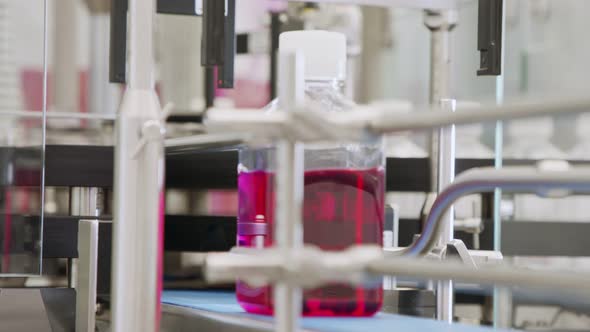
[{"x": 224, "y": 302}]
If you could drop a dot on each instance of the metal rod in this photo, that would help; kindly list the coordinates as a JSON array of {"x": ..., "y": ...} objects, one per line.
[
  {"x": 314, "y": 267},
  {"x": 141, "y": 44},
  {"x": 118, "y": 41},
  {"x": 44, "y": 123},
  {"x": 446, "y": 175},
  {"x": 84, "y": 201},
  {"x": 440, "y": 24},
  {"x": 138, "y": 180},
  {"x": 150, "y": 219},
  {"x": 86, "y": 276},
  {"x": 576, "y": 283},
  {"x": 289, "y": 188},
  {"x": 209, "y": 86},
  {"x": 446, "y": 171},
  {"x": 206, "y": 140},
  {"x": 388, "y": 122},
  {"x": 59, "y": 115},
  {"x": 376, "y": 120},
  {"x": 498, "y": 307},
  {"x": 288, "y": 232},
  {"x": 275, "y": 31},
  {"x": 487, "y": 179},
  {"x": 442, "y": 141},
  {"x": 390, "y": 239}
]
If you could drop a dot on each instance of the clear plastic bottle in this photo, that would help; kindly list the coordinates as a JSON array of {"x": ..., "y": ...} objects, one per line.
[{"x": 343, "y": 194}]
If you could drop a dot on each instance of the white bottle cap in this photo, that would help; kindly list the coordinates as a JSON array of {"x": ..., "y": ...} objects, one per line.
[{"x": 324, "y": 52}]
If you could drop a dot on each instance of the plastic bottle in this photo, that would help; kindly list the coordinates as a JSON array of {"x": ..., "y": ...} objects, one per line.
[{"x": 343, "y": 194}]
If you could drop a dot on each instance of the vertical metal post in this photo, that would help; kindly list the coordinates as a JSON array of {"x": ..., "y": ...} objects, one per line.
[
  {"x": 87, "y": 202},
  {"x": 502, "y": 299},
  {"x": 141, "y": 39},
  {"x": 275, "y": 31},
  {"x": 87, "y": 269},
  {"x": 446, "y": 169},
  {"x": 390, "y": 239},
  {"x": 289, "y": 188},
  {"x": 440, "y": 24},
  {"x": 446, "y": 175},
  {"x": 136, "y": 282}
]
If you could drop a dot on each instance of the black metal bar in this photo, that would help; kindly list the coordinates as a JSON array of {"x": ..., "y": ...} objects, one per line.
[
  {"x": 226, "y": 71},
  {"x": 212, "y": 42},
  {"x": 242, "y": 41},
  {"x": 199, "y": 233},
  {"x": 177, "y": 7},
  {"x": 92, "y": 166},
  {"x": 79, "y": 166},
  {"x": 212, "y": 233},
  {"x": 209, "y": 86},
  {"x": 184, "y": 118},
  {"x": 275, "y": 31},
  {"x": 489, "y": 37},
  {"x": 118, "y": 43},
  {"x": 182, "y": 233}
]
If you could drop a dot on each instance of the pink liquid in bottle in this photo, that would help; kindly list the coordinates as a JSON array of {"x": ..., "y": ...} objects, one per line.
[{"x": 342, "y": 207}]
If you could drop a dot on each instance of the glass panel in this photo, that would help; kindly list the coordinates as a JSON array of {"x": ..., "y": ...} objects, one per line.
[{"x": 22, "y": 31}]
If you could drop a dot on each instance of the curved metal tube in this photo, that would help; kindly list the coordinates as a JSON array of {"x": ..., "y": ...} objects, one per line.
[
  {"x": 562, "y": 282},
  {"x": 486, "y": 179}
]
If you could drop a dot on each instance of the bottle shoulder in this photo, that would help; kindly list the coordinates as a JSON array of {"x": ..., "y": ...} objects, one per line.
[{"x": 324, "y": 98}]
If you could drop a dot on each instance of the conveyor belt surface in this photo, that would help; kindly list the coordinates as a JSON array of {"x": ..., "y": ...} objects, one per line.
[{"x": 223, "y": 302}]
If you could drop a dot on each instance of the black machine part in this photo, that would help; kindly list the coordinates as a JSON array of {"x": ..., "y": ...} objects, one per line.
[
  {"x": 218, "y": 42},
  {"x": 489, "y": 37}
]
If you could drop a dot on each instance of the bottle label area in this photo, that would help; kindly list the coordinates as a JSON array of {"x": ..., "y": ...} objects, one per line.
[{"x": 342, "y": 207}]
